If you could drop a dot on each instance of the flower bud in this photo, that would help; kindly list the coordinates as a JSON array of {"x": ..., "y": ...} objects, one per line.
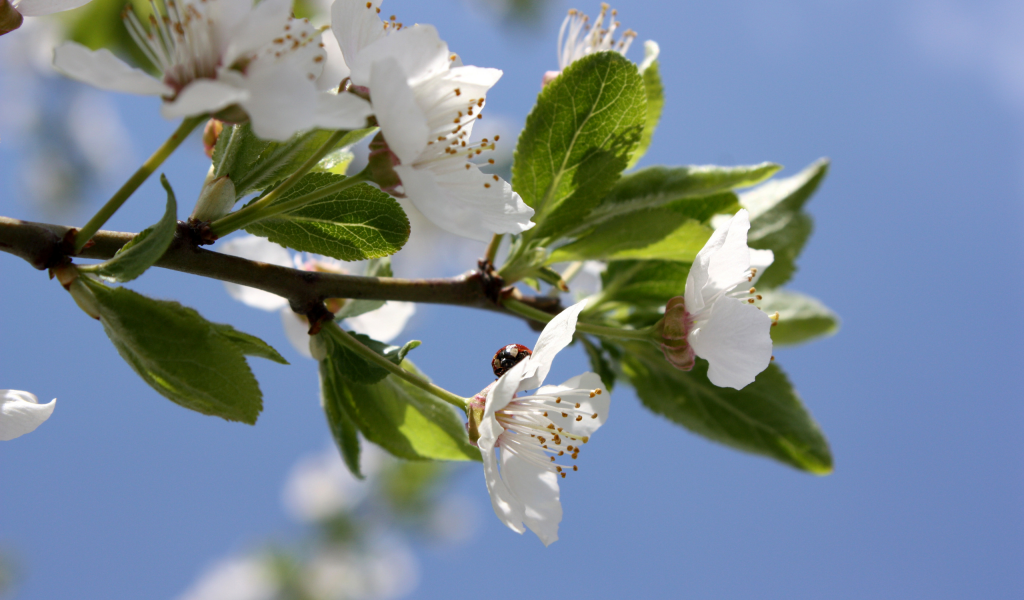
[
  {"x": 549, "y": 76},
  {"x": 10, "y": 18},
  {"x": 215, "y": 200},
  {"x": 671, "y": 332},
  {"x": 71, "y": 279},
  {"x": 382, "y": 165},
  {"x": 210, "y": 135},
  {"x": 475, "y": 412},
  {"x": 318, "y": 347}
]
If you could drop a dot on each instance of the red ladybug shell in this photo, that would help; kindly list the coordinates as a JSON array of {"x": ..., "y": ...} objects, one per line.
[{"x": 508, "y": 357}]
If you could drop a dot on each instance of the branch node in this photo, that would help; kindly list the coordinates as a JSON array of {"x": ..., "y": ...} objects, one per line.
[
  {"x": 198, "y": 233},
  {"x": 317, "y": 316},
  {"x": 490, "y": 281}
]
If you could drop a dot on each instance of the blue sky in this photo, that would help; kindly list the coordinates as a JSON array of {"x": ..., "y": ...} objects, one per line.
[{"x": 917, "y": 238}]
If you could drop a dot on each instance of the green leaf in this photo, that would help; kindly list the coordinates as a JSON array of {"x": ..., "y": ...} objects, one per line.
[
  {"x": 249, "y": 345},
  {"x": 646, "y": 235},
  {"x": 777, "y": 222},
  {"x": 359, "y": 370},
  {"x": 333, "y": 390},
  {"x": 179, "y": 353},
  {"x": 660, "y": 213},
  {"x": 655, "y": 93},
  {"x": 774, "y": 202},
  {"x": 599, "y": 363},
  {"x": 397, "y": 354},
  {"x": 786, "y": 243},
  {"x": 336, "y": 162},
  {"x": 254, "y": 164},
  {"x": 144, "y": 250},
  {"x": 801, "y": 318},
  {"x": 643, "y": 283},
  {"x": 675, "y": 232},
  {"x": 655, "y": 187},
  {"x": 401, "y": 418},
  {"x": 357, "y": 223},
  {"x": 766, "y": 417},
  {"x": 578, "y": 139}
]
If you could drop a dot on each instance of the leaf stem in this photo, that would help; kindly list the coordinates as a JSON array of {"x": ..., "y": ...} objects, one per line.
[
  {"x": 492, "y": 248},
  {"x": 259, "y": 210},
  {"x": 613, "y": 332},
  {"x": 342, "y": 337},
  {"x": 226, "y": 225},
  {"x": 152, "y": 164}
]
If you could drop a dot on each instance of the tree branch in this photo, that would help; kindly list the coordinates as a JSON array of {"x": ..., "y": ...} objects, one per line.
[{"x": 43, "y": 246}]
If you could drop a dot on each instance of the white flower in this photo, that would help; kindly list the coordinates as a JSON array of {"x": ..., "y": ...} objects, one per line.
[
  {"x": 383, "y": 324},
  {"x": 225, "y": 54},
  {"x": 426, "y": 103},
  {"x": 384, "y": 568},
  {"x": 717, "y": 316},
  {"x": 236, "y": 578},
  {"x": 37, "y": 8},
  {"x": 578, "y": 37},
  {"x": 532, "y": 432},
  {"x": 320, "y": 486},
  {"x": 21, "y": 413}
]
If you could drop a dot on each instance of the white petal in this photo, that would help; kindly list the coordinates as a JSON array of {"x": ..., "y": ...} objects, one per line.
[
  {"x": 557, "y": 334},
  {"x": 537, "y": 489},
  {"x": 21, "y": 413},
  {"x": 419, "y": 51},
  {"x": 281, "y": 103},
  {"x": 731, "y": 261},
  {"x": 262, "y": 250},
  {"x": 760, "y": 260},
  {"x": 385, "y": 323},
  {"x": 259, "y": 27},
  {"x": 224, "y": 17},
  {"x": 335, "y": 69},
  {"x": 578, "y": 390},
  {"x": 100, "y": 68},
  {"x": 464, "y": 201},
  {"x": 499, "y": 395},
  {"x": 720, "y": 264},
  {"x": 296, "y": 329},
  {"x": 340, "y": 111},
  {"x": 401, "y": 120},
  {"x": 203, "y": 96},
  {"x": 437, "y": 98},
  {"x": 508, "y": 508},
  {"x": 36, "y": 8},
  {"x": 355, "y": 26},
  {"x": 736, "y": 341}
]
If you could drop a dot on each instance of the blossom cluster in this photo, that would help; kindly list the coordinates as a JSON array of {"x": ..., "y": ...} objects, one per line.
[{"x": 237, "y": 62}]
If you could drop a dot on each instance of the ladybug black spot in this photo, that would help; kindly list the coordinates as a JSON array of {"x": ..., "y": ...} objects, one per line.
[{"x": 508, "y": 357}]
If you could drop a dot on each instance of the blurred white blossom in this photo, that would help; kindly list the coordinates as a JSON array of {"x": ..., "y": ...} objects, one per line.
[
  {"x": 320, "y": 485},
  {"x": 237, "y": 578},
  {"x": 386, "y": 568}
]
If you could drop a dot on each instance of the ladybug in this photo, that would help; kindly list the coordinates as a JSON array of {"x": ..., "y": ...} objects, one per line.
[{"x": 508, "y": 357}]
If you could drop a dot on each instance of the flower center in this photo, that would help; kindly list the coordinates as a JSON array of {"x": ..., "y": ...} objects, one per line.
[
  {"x": 179, "y": 41},
  {"x": 183, "y": 41},
  {"x": 578, "y": 37},
  {"x": 532, "y": 434}
]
